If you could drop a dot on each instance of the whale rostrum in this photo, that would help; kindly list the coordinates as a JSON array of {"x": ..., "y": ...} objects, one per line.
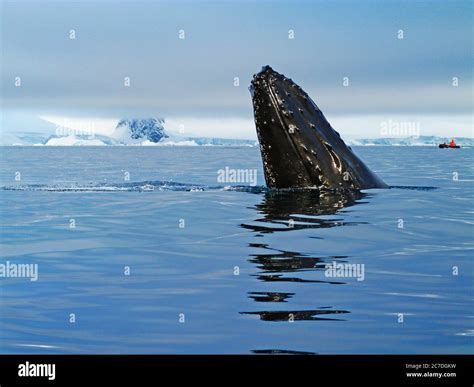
[{"x": 299, "y": 147}]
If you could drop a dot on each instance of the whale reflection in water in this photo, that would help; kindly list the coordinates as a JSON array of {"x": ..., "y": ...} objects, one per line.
[
  {"x": 287, "y": 210},
  {"x": 296, "y": 210}
]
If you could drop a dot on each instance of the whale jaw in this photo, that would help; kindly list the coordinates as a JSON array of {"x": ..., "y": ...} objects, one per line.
[{"x": 299, "y": 147}]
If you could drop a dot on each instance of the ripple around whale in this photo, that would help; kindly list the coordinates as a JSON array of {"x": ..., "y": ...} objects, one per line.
[
  {"x": 142, "y": 186},
  {"x": 160, "y": 186}
]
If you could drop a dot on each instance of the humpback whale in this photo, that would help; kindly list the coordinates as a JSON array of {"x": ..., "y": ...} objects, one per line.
[{"x": 299, "y": 147}]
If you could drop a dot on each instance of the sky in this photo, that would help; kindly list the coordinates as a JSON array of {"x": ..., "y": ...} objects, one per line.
[{"x": 199, "y": 83}]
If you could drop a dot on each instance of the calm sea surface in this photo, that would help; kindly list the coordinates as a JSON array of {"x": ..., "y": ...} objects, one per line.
[{"x": 148, "y": 266}]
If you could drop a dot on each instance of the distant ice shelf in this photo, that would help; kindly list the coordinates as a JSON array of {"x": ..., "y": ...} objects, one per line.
[
  {"x": 152, "y": 132},
  {"x": 410, "y": 141}
]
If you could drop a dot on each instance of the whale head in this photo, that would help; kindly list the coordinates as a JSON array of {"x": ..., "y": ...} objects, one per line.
[{"x": 299, "y": 147}]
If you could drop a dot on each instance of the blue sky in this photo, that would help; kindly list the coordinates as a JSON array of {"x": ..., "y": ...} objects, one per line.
[{"x": 191, "y": 80}]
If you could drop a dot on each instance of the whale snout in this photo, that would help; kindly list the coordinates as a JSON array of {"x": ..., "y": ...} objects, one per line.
[{"x": 299, "y": 147}]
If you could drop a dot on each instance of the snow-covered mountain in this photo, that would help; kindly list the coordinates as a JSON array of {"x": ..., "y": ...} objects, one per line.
[{"x": 150, "y": 129}]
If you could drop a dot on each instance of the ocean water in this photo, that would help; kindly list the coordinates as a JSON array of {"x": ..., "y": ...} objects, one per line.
[{"x": 146, "y": 265}]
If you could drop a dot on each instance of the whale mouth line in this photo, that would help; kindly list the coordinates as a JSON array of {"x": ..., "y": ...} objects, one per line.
[{"x": 335, "y": 158}]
